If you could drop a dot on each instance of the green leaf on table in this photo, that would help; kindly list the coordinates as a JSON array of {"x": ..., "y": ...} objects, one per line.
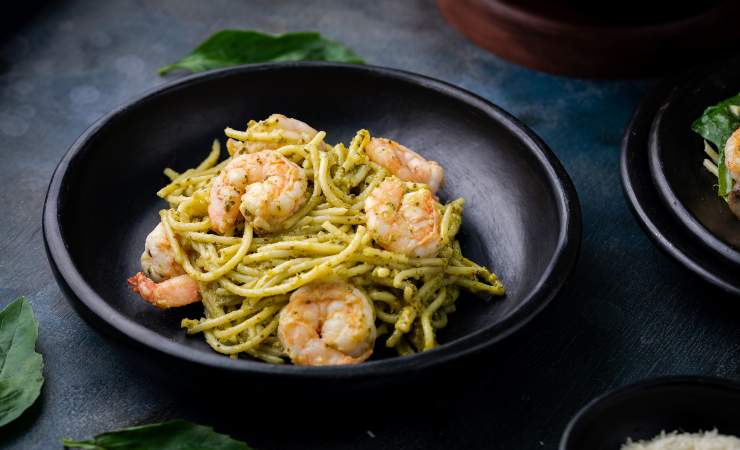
[
  {"x": 716, "y": 125},
  {"x": 21, "y": 367},
  {"x": 233, "y": 47},
  {"x": 173, "y": 435}
]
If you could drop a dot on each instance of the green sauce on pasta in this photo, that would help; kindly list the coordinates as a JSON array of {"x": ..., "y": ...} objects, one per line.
[{"x": 246, "y": 279}]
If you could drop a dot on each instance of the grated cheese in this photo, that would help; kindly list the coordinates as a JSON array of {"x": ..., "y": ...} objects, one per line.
[{"x": 710, "y": 440}]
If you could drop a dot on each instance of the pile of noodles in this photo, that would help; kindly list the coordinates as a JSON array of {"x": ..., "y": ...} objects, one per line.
[{"x": 246, "y": 279}]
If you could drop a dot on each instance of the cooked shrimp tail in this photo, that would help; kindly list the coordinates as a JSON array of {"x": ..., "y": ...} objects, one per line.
[
  {"x": 178, "y": 291},
  {"x": 163, "y": 282}
]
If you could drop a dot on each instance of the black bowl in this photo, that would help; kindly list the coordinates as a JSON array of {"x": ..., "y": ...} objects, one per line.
[
  {"x": 522, "y": 216},
  {"x": 642, "y": 410},
  {"x": 653, "y": 215},
  {"x": 676, "y": 155}
]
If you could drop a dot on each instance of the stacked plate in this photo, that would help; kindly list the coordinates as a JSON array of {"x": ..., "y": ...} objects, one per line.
[{"x": 670, "y": 192}]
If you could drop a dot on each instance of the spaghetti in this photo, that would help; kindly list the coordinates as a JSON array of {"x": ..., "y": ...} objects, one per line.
[{"x": 246, "y": 277}]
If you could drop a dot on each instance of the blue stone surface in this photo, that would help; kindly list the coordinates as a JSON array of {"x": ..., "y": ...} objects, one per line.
[{"x": 628, "y": 312}]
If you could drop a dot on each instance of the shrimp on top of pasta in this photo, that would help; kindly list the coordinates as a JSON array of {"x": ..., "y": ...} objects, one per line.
[{"x": 308, "y": 252}]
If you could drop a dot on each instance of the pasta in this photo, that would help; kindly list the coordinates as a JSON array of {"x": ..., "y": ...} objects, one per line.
[{"x": 246, "y": 276}]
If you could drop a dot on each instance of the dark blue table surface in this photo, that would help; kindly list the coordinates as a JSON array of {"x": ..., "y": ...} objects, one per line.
[{"x": 628, "y": 312}]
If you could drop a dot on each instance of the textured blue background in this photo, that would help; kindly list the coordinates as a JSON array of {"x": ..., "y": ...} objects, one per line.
[{"x": 628, "y": 312}]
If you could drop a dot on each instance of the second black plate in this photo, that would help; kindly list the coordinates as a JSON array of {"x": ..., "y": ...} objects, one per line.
[
  {"x": 676, "y": 155},
  {"x": 653, "y": 215}
]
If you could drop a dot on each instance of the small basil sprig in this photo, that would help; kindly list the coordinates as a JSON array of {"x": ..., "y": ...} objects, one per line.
[
  {"x": 173, "y": 435},
  {"x": 716, "y": 125},
  {"x": 233, "y": 47},
  {"x": 20, "y": 366}
]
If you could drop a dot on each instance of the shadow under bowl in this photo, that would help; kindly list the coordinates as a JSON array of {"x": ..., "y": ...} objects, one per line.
[{"x": 522, "y": 217}]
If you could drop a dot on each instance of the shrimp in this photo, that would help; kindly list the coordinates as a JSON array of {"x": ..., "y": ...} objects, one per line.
[
  {"x": 732, "y": 155},
  {"x": 327, "y": 323},
  {"x": 266, "y": 187},
  {"x": 405, "y": 163},
  {"x": 163, "y": 282},
  {"x": 403, "y": 218},
  {"x": 292, "y": 131},
  {"x": 732, "y": 162},
  {"x": 158, "y": 261},
  {"x": 178, "y": 291}
]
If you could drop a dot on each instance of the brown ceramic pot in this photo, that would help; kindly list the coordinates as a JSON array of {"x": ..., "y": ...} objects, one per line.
[{"x": 626, "y": 39}]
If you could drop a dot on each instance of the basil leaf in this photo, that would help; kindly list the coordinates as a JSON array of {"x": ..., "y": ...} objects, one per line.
[
  {"x": 173, "y": 435},
  {"x": 233, "y": 47},
  {"x": 20, "y": 366},
  {"x": 716, "y": 125}
]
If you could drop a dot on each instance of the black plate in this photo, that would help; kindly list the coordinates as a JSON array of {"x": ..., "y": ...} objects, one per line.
[
  {"x": 641, "y": 411},
  {"x": 676, "y": 155},
  {"x": 522, "y": 216},
  {"x": 653, "y": 215}
]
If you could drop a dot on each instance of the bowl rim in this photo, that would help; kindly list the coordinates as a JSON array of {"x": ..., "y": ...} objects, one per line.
[
  {"x": 633, "y": 147},
  {"x": 656, "y": 152},
  {"x": 558, "y": 269},
  {"x": 642, "y": 385}
]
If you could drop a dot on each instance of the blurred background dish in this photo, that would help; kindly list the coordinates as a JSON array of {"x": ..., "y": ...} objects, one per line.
[
  {"x": 643, "y": 410},
  {"x": 676, "y": 153},
  {"x": 599, "y": 39},
  {"x": 649, "y": 209}
]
